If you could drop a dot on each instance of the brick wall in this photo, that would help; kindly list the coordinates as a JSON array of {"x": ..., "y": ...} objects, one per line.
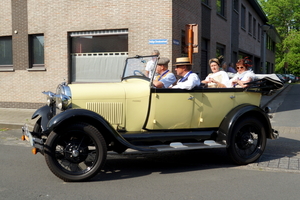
[
  {"x": 186, "y": 12},
  {"x": 145, "y": 20},
  {"x": 55, "y": 19},
  {"x": 5, "y": 18}
]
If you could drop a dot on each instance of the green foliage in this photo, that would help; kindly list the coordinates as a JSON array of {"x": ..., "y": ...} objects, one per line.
[
  {"x": 285, "y": 16},
  {"x": 291, "y": 47}
]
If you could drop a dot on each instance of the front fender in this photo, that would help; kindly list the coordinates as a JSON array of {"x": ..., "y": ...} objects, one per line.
[
  {"x": 46, "y": 113},
  {"x": 88, "y": 116},
  {"x": 244, "y": 110}
]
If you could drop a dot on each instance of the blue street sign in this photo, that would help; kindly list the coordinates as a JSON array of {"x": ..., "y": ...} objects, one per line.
[
  {"x": 158, "y": 41},
  {"x": 176, "y": 42}
]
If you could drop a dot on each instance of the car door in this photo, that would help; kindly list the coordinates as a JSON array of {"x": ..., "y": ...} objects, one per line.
[
  {"x": 217, "y": 102},
  {"x": 170, "y": 109}
]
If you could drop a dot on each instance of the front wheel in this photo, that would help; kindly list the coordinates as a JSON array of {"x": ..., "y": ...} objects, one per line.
[
  {"x": 247, "y": 141},
  {"x": 75, "y": 153}
]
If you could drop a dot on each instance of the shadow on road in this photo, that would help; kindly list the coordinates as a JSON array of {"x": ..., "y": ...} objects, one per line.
[
  {"x": 283, "y": 147},
  {"x": 132, "y": 165}
]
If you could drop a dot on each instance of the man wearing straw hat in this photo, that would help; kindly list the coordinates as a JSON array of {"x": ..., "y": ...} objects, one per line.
[{"x": 189, "y": 80}]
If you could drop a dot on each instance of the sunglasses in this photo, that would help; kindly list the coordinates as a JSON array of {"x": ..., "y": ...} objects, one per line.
[{"x": 239, "y": 67}]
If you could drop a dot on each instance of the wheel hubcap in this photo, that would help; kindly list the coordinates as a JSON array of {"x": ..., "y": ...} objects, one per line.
[{"x": 75, "y": 153}]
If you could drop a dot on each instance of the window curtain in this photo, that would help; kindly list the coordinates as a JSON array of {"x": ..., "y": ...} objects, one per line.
[{"x": 90, "y": 68}]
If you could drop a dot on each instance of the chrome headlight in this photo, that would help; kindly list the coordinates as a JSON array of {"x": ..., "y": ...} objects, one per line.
[
  {"x": 63, "y": 97},
  {"x": 50, "y": 98},
  {"x": 63, "y": 102}
]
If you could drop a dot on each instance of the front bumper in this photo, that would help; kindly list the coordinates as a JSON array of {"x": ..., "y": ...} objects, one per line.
[
  {"x": 30, "y": 137},
  {"x": 275, "y": 134}
]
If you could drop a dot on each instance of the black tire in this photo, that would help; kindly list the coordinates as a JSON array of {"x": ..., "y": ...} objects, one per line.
[
  {"x": 37, "y": 127},
  {"x": 75, "y": 153},
  {"x": 247, "y": 141}
]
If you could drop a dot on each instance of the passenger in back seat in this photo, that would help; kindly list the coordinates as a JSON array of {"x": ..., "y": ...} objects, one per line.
[
  {"x": 218, "y": 78},
  {"x": 243, "y": 75}
]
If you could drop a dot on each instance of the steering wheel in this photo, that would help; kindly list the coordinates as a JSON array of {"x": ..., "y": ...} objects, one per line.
[{"x": 137, "y": 72}]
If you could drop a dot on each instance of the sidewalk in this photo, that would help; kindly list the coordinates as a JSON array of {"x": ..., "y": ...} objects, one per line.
[{"x": 15, "y": 118}]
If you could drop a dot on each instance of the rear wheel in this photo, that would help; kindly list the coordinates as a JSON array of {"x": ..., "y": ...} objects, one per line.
[
  {"x": 247, "y": 141},
  {"x": 75, "y": 153}
]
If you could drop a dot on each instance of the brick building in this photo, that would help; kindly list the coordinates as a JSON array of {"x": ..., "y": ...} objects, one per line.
[{"x": 44, "y": 43}]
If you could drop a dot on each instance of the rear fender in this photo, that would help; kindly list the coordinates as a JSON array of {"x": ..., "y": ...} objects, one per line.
[
  {"x": 90, "y": 117},
  {"x": 244, "y": 110}
]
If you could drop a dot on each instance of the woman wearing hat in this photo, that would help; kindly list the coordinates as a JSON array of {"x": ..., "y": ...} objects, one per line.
[
  {"x": 216, "y": 79},
  {"x": 183, "y": 68},
  {"x": 243, "y": 75}
]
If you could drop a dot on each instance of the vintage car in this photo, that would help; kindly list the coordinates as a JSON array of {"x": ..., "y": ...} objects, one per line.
[{"x": 82, "y": 122}]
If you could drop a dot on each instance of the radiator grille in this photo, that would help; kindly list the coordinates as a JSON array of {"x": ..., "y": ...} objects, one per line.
[{"x": 111, "y": 111}]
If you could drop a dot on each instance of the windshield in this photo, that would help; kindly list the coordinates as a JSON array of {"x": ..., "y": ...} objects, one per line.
[{"x": 140, "y": 66}]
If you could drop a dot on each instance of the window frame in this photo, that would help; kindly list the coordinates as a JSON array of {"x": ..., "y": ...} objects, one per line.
[
  {"x": 7, "y": 67},
  {"x": 249, "y": 23},
  {"x": 32, "y": 65},
  {"x": 83, "y": 53},
  {"x": 243, "y": 17},
  {"x": 222, "y": 9},
  {"x": 236, "y": 5},
  {"x": 258, "y": 32},
  {"x": 222, "y": 49},
  {"x": 206, "y": 2},
  {"x": 254, "y": 28}
]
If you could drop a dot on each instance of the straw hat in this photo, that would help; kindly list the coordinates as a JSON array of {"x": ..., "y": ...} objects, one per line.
[{"x": 183, "y": 61}]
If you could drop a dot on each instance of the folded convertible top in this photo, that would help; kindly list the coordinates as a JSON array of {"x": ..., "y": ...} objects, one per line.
[{"x": 265, "y": 83}]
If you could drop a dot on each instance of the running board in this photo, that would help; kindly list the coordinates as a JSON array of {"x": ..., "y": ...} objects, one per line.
[{"x": 178, "y": 146}]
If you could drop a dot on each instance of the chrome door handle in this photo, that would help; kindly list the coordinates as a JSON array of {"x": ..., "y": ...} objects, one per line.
[
  {"x": 191, "y": 98},
  {"x": 232, "y": 97}
]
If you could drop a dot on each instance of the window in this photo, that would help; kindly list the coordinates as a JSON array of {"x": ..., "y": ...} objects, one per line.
[
  {"x": 205, "y": 2},
  {"x": 258, "y": 32},
  {"x": 98, "y": 56},
  {"x": 6, "y": 60},
  {"x": 36, "y": 49},
  {"x": 250, "y": 23},
  {"x": 236, "y": 5},
  {"x": 270, "y": 44},
  {"x": 254, "y": 28},
  {"x": 243, "y": 17},
  {"x": 220, "y": 50},
  {"x": 221, "y": 7}
]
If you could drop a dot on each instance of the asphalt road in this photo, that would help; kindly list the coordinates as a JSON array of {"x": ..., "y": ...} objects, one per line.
[{"x": 202, "y": 174}]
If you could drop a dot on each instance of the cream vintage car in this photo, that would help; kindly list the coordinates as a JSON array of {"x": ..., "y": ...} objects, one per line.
[{"x": 81, "y": 122}]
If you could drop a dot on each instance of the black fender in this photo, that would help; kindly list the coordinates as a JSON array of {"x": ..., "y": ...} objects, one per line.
[
  {"x": 243, "y": 110},
  {"x": 46, "y": 113},
  {"x": 90, "y": 117}
]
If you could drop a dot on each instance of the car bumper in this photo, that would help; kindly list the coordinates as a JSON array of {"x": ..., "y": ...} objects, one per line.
[{"x": 34, "y": 141}]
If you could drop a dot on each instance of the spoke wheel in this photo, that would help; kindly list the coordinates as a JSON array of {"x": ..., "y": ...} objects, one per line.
[
  {"x": 247, "y": 141},
  {"x": 75, "y": 153}
]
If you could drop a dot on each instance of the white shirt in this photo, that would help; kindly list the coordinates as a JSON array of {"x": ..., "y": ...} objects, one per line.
[
  {"x": 242, "y": 77},
  {"x": 168, "y": 80},
  {"x": 220, "y": 76},
  {"x": 150, "y": 67},
  {"x": 191, "y": 82}
]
